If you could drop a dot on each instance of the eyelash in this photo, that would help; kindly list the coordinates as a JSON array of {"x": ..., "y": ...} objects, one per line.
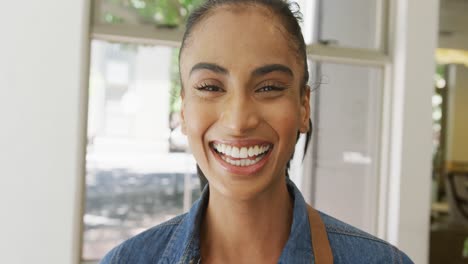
[
  {"x": 208, "y": 88},
  {"x": 271, "y": 88},
  {"x": 213, "y": 88}
]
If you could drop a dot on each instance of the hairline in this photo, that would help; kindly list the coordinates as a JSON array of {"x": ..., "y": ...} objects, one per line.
[{"x": 236, "y": 6}]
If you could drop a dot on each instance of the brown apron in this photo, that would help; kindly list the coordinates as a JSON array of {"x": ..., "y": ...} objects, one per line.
[{"x": 318, "y": 233}]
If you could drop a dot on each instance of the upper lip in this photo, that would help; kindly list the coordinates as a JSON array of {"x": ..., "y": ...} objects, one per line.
[{"x": 242, "y": 142}]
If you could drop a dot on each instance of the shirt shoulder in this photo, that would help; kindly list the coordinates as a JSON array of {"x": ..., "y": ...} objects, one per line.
[
  {"x": 146, "y": 247},
  {"x": 352, "y": 245}
]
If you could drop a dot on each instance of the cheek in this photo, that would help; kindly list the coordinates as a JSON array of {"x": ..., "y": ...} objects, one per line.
[
  {"x": 198, "y": 119},
  {"x": 288, "y": 131},
  {"x": 285, "y": 119}
]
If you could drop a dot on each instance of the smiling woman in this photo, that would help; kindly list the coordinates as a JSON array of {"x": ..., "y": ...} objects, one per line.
[{"x": 245, "y": 99}]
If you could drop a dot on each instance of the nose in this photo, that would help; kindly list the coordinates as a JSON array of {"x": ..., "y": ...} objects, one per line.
[{"x": 240, "y": 114}]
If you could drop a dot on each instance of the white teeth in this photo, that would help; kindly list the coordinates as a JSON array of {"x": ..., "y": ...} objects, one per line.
[
  {"x": 223, "y": 148},
  {"x": 227, "y": 151},
  {"x": 243, "y": 152},
  {"x": 256, "y": 150},
  {"x": 242, "y": 162},
  {"x": 251, "y": 152},
  {"x": 235, "y": 152}
]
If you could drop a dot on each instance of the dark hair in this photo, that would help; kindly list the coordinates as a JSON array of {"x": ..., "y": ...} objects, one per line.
[{"x": 289, "y": 15}]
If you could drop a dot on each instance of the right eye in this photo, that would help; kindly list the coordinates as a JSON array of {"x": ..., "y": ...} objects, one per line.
[{"x": 208, "y": 88}]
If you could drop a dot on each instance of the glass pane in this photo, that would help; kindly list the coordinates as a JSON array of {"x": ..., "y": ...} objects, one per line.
[
  {"x": 308, "y": 9},
  {"x": 139, "y": 171},
  {"x": 350, "y": 23},
  {"x": 347, "y": 125},
  {"x": 162, "y": 13},
  {"x": 353, "y": 23},
  {"x": 299, "y": 171}
]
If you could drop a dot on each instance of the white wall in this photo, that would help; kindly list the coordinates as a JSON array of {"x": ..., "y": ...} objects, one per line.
[
  {"x": 411, "y": 145},
  {"x": 42, "y": 50}
]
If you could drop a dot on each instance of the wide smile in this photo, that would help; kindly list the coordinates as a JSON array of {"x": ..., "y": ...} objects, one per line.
[{"x": 243, "y": 158}]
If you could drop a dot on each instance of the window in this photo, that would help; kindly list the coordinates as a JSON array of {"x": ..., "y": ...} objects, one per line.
[
  {"x": 139, "y": 173},
  {"x": 350, "y": 109},
  {"x": 347, "y": 134},
  {"x": 358, "y": 24},
  {"x": 354, "y": 24}
]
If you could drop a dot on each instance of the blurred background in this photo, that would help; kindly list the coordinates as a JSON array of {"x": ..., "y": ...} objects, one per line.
[{"x": 92, "y": 153}]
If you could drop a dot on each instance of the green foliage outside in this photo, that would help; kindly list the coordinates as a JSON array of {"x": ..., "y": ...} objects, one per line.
[
  {"x": 162, "y": 13},
  {"x": 440, "y": 71},
  {"x": 465, "y": 249}
]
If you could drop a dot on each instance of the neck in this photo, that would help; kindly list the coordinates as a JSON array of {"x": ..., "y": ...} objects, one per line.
[{"x": 236, "y": 231}]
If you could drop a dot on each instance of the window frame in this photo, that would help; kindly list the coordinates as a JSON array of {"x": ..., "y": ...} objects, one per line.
[{"x": 380, "y": 58}]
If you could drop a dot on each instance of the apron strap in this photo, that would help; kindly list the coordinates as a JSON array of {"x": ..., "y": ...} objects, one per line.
[{"x": 320, "y": 244}]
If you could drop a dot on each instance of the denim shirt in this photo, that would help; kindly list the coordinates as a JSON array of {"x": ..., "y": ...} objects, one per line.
[{"x": 177, "y": 240}]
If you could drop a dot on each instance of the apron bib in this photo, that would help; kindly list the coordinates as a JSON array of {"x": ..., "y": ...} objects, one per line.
[{"x": 320, "y": 243}]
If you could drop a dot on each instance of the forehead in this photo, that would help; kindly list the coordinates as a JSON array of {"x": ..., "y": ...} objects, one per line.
[{"x": 240, "y": 36}]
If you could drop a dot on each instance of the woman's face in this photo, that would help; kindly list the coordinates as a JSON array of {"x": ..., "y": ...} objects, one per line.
[{"x": 242, "y": 102}]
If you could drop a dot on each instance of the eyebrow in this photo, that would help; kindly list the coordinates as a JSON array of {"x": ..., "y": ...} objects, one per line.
[
  {"x": 208, "y": 66},
  {"x": 263, "y": 70}
]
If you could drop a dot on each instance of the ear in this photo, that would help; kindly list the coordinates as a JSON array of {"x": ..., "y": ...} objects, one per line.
[
  {"x": 182, "y": 113},
  {"x": 305, "y": 111}
]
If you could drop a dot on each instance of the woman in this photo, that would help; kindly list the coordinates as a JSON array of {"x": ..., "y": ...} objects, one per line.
[{"x": 245, "y": 100}]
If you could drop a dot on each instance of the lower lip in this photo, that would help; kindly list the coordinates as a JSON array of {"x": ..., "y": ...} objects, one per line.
[{"x": 247, "y": 170}]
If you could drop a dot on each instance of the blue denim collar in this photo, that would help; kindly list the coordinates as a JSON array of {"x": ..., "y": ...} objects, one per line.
[{"x": 184, "y": 245}]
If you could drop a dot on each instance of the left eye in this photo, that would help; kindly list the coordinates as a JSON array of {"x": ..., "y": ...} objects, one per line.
[{"x": 269, "y": 89}]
